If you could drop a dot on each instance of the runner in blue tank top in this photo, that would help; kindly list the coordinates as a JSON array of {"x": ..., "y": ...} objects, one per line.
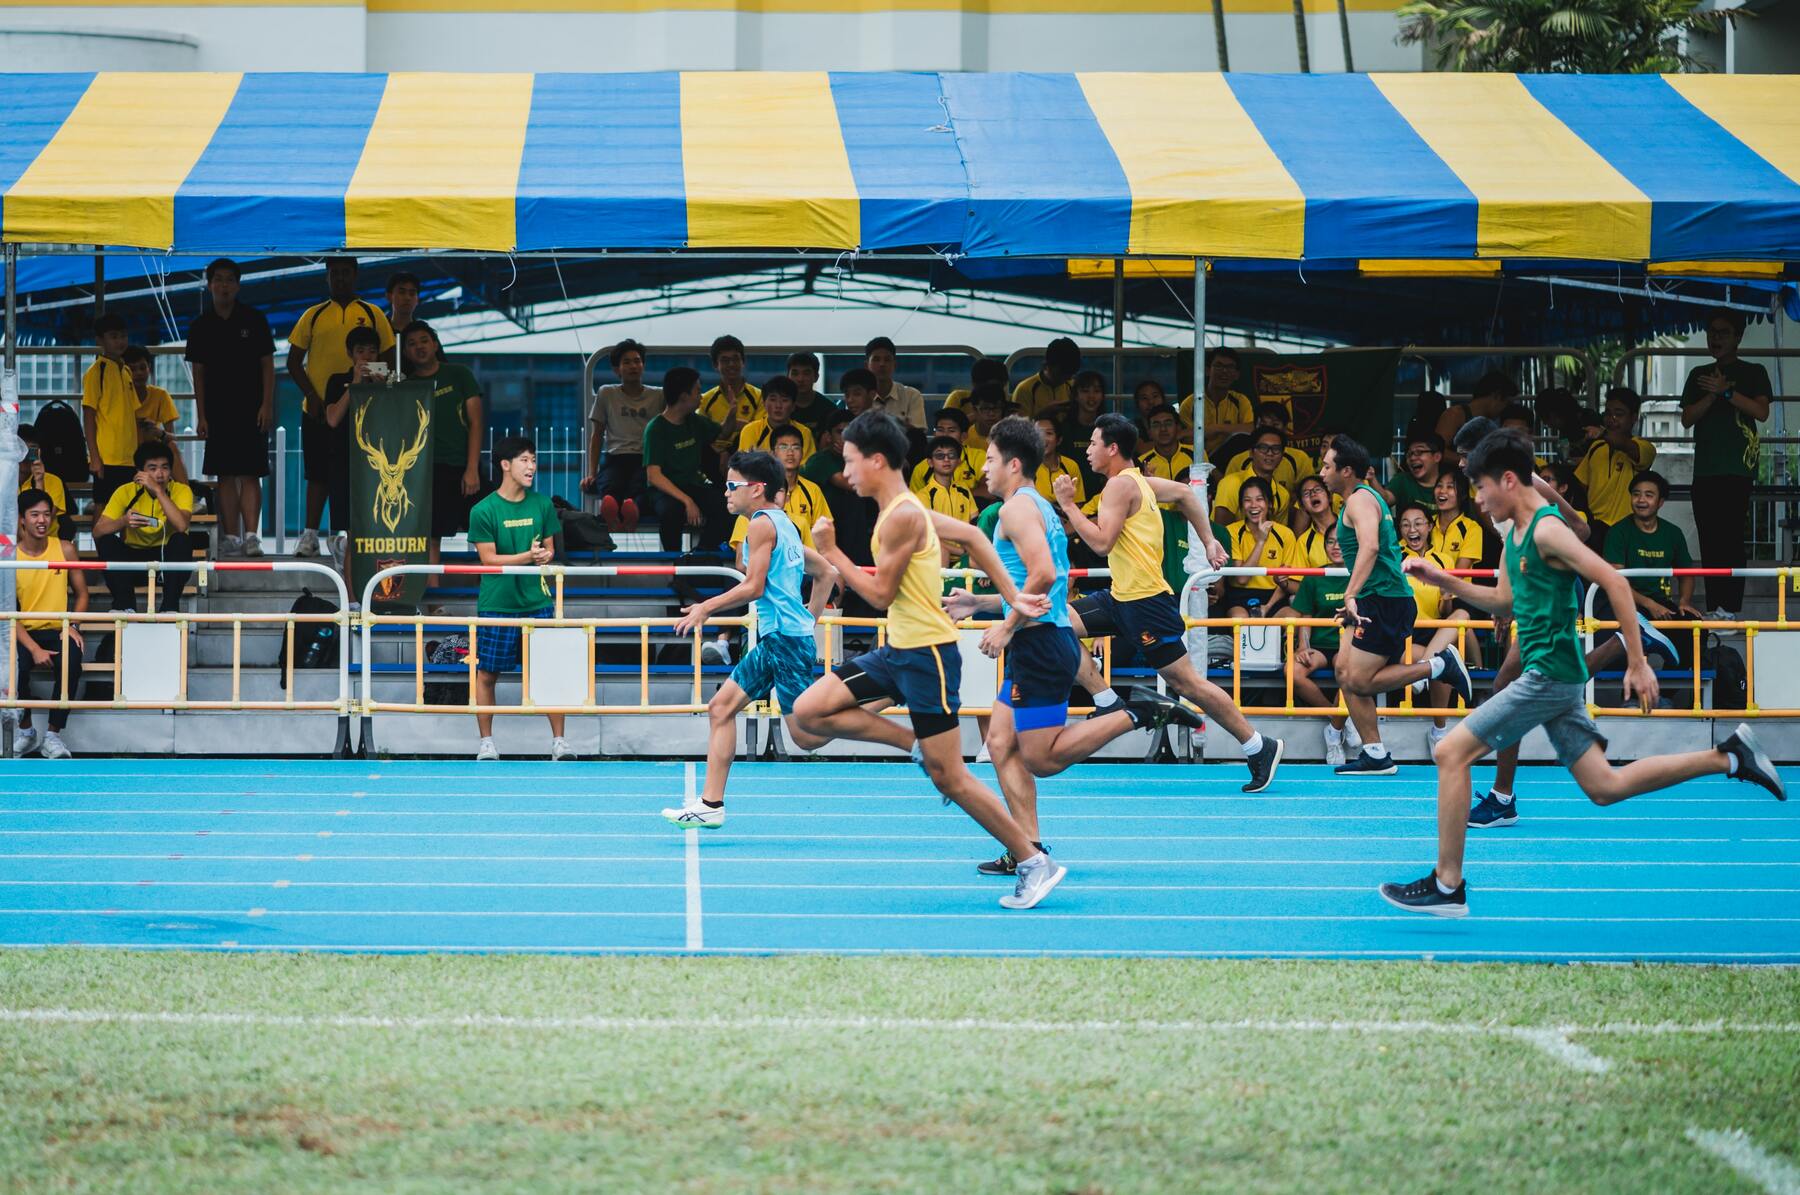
[
  {"x": 776, "y": 565},
  {"x": 1028, "y": 734},
  {"x": 1538, "y": 584}
]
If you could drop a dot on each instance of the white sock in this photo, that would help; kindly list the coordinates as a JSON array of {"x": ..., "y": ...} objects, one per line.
[
  {"x": 1376, "y": 750},
  {"x": 1253, "y": 744},
  {"x": 1106, "y": 698},
  {"x": 1437, "y": 667},
  {"x": 1441, "y": 887},
  {"x": 1503, "y": 798},
  {"x": 1033, "y": 863}
]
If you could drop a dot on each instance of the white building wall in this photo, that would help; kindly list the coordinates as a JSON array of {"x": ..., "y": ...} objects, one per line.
[{"x": 278, "y": 35}]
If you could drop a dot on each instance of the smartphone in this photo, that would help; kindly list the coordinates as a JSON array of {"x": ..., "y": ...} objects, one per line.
[{"x": 378, "y": 369}]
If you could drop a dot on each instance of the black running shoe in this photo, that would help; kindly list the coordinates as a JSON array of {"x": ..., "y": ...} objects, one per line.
[
  {"x": 1753, "y": 765},
  {"x": 1456, "y": 675},
  {"x": 1423, "y": 896},
  {"x": 1264, "y": 763},
  {"x": 1367, "y": 765},
  {"x": 1491, "y": 811},
  {"x": 1005, "y": 865},
  {"x": 1148, "y": 708}
]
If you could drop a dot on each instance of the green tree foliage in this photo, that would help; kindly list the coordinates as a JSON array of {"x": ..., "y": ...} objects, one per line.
[{"x": 1557, "y": 36}]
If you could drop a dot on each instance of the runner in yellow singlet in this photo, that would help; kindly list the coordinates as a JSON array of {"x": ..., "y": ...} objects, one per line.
[
  {"x": 920, "y": 664},
  {"x": 1141, "y": 609}
]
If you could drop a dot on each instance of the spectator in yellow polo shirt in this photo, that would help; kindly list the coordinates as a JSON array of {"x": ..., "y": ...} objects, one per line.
[
  {"x": 805, "y": 503},
  {"x": 1050, "y": 389},
  {"x": 1056, "y": 464},
  {"x": 1266, "y": 453},
  {"x": 1314, "y": 521},
  {"x": 1256, "y": 540},
  {"x": 1295, "y": 463},
  {"x": 734, "y": 402},
  {"x": 156, "y": 413},
  {"x": 1225, "y": 411},
  {"x": 109, "y": 410},
  {"x": 779, "y": 397},
  {"x": 1146, "y": 396},
  {"x": 1166, "y": 457},
  {"x": 1453, "y": 532},
  {"x": 1611, "y": 462},
  {"x": 952, "y": 424},
  {"x": 316, "y": 352},
  {"x": 146, "y": 519},
  {"x": 941, "y": 493},
  {"x": 983, "y": 371}
]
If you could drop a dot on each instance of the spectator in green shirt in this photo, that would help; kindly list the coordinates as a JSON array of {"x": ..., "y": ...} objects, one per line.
[
  {"x": 455, "y": 430},
  {"x": 1723, "y": 402},
  {"x": 1316, "y": 648},
  {"x": 514, "y": 525},
  {"x": 1416, "y": 481},
  {"x": 1645, "y": 541},
  {"x": 674, "y": 445}
]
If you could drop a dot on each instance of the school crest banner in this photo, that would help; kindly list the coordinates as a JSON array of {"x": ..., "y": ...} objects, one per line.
[
  {"x": 1344, "y": 390},
  {"x": 390, "y": 485}
]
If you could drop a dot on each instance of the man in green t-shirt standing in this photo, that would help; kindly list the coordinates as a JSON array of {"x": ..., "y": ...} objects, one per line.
[
  {"x": 674, "y": 444},
  {"x": 513, "y": 525},
  {"x": 1723, "y": 402},
  {"x": 1543, "y": 563},
  {"x": 455, "y": 430}
]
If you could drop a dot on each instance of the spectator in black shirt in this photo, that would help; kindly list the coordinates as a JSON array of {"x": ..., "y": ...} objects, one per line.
[{"x": 233, "y": 358}]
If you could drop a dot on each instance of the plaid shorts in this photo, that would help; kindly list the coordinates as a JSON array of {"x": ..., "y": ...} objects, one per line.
[{"x": 498, "y": 649}]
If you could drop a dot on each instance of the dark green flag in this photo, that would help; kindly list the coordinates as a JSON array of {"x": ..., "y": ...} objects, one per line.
[
  {"x": 1347, "y": 390},
  {"x": 390, "y": 485}
]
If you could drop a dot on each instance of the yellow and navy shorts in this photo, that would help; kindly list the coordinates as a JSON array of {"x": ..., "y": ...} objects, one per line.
[
  {"x": 926, "y": 680},
  {"x": 1151, "y": 624}
]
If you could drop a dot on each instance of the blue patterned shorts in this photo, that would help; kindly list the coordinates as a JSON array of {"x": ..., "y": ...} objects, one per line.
[{"x": 498, "y": 649}]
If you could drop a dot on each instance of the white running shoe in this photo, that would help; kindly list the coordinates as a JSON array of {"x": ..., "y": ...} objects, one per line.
[
  {"x": 54, "y": 747},
  {"x": 560, "y": 749},
  {"x": 1353, "y": 743},
  {"x": 1334, "y": 746},
  {"x": 309, "y": 543},
  {"x": 696, "y": 817},
  {"x": 1037, "y": 876},
  {"x": 716, "y": 651},
  {"x": 230, "y": 545},
  {"x": 339, "y": 545},
  {"x": 487, "y": 752},
  {"x": 29, "y": 739},
  {"x": 253, "y": 546}
]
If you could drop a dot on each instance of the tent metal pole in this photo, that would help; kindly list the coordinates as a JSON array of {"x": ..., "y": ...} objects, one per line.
[
  {"x": 11, "y": 449},
  {"x": 12, "y": 309},
  {"x": 1118, "y": 366},
  {"x": 1198, "y": 639},
  {"x": 1199, "y": 359}
]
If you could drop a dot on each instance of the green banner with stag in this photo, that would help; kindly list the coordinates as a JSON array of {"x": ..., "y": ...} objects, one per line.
[{"x": 390, "y": 486}]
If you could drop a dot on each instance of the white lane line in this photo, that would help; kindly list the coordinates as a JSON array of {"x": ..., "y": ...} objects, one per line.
[
  {"x": 1556, "y": 1043},
  {"x": 1584, "y": 839},
  {"x": 1777, "y": 1176},
  {"x": 811, "y": 1023},
  {"x": 695, "y": 937},
  {"x": 328, "y": 804},
  {"x": 879, "y": 860},
  {"x": 972, "y": 887},
  {"x": 1762, "y": 959},
  {"x": 693, "y": 915}
]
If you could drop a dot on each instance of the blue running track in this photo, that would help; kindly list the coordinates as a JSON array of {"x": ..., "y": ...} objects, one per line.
[{"x": 862, "y": 858}]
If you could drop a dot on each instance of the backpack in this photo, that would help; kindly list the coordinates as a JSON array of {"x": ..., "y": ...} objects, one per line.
[
  {"x": 315, "y": 643},
  {"x": 451, "y": 649},
  {"x": 62, "y": 442},
  {"x": 1731, "y": 687},
  {"x": 580, "y": 530}
]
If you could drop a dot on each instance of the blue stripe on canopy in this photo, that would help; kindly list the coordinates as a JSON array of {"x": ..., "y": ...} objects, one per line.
[
  {"x": 602, "y": 166},
  {"x": 1042, "y": 176},
  {"x": 903, "y": 155},
  {"x": 32, "y": 109},
  {"x": 1711, "y": 196},
  {"x": 275, "y": 172},
  {"x": 1373, "y": 187}
]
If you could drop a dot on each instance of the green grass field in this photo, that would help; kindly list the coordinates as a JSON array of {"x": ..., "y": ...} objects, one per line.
[{"x": 824, "y": 1074}]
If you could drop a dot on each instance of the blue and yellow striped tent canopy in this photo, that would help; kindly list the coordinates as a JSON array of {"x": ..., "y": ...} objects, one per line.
[{"x": 1277, "y": 167}]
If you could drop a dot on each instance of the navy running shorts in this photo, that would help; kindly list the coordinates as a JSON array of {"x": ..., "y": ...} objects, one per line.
[
  {"x": 926, "y": 680},
  {"x": 1152, "y": 624},
  {"x": 1041, "y": 662}
]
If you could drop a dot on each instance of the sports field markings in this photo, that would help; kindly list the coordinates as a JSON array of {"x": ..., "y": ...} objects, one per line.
[
  {"x": 696, "y": 939},
  {"x": 1775, "y": 1175},
  {"x": 859, "y": 887},
  {"x": 693, "y": 907},
  {"x": 1587, "y": 839},
  {"x": 875, "y": 861},
  {"x": 638, "y": 815}
]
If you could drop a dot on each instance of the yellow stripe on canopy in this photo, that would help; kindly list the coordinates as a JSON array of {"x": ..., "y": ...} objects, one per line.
[
  {"x": 765, "y": 162},
  {"x": 1400, "y": 267},
  {"x": 110, "y": 174},
  {"x": 1543, "y": 192},
  {"x": 1756, "y": 109},
  {"x": 1203, "y": 180},
  {"x": 440, "y": 166}
]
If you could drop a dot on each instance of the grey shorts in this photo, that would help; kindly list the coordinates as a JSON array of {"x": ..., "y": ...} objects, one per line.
[{"x": 1536, "y": 700}]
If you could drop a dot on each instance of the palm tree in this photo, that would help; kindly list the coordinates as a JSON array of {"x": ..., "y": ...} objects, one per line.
[
  {"x": 1218, "y": 7},
  {"x": 1596, "y": 36},
  {"x": 1300, "y": 34},
  {"x": 1344, "y": 30}
]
